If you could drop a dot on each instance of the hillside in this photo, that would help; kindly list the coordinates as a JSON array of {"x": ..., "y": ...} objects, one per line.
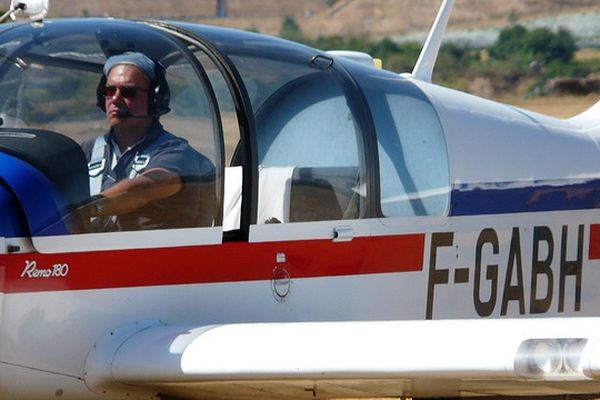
[
  {"x": 317, "y": 17},
  {"x": 474, "y": 21},
  {"x": 185, "y": 9}
]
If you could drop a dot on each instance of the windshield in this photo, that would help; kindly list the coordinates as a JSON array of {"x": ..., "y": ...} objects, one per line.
[{"x": 51, "y": 80}]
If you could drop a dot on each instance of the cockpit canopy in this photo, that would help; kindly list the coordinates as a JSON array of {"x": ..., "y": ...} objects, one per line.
[{"x": 294, "y": 134}]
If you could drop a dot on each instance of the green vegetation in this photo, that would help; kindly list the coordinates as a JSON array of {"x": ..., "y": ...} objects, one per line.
[
  {"x": 539, "y": 44},
  {"x": 518, "y": 57},
  {"x": 291, "y": 30}
]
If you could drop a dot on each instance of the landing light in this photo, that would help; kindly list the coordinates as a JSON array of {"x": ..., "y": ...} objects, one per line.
[{"x": 550, "y": 358}]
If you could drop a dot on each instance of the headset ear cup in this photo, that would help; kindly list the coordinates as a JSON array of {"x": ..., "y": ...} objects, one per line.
[
  {"x": 99, "y": 96},
  {"x": 161, "y": 94},
  {"x": 163, "y": 98}
]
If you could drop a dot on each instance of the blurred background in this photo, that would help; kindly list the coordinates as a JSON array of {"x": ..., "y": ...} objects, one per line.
[{"x": 538, "y": 54}]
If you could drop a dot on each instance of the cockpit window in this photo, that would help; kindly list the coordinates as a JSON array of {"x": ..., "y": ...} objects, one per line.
[
  {"x": 307, "y": 142},
  {"x": 50, "y": 80},
  {"x": 263, "y": 77},
  {"x": 50, "y": 84},
  {"x": 413, "y": 161}
]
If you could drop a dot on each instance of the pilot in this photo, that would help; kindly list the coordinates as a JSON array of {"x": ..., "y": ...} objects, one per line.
[{"x": 141, "y": 176}]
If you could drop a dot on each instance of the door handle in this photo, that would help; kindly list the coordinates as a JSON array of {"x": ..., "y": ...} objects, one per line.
[{"x": 343, "y": 234}]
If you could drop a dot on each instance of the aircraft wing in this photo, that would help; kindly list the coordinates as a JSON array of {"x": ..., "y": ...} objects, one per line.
[{"x": 351, "y": 359}]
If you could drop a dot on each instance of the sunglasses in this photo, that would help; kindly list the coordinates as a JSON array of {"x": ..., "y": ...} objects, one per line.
[{"x": 127, "y": 92}]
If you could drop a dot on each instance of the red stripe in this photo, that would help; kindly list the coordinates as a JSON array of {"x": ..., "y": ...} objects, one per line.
[
  {"x": 2, "y": 279},
  {"x": 229, "y": 262},
  {"x": 594, "y": 242}
]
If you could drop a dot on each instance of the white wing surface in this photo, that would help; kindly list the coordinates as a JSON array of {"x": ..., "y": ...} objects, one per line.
[{"x": 352, "y": 359}]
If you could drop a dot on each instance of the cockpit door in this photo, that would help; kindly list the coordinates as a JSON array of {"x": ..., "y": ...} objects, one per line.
[{"x": 311, "y": 165}]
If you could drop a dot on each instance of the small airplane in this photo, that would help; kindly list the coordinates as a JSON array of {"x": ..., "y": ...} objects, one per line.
[{"x": 363, "y": 233}]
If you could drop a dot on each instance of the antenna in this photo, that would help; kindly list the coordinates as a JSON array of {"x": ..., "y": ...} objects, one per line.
[{"x": 424, "y": 67}]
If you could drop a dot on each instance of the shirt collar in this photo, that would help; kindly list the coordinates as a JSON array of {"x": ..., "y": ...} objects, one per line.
[{"x": 153, "y": 132}]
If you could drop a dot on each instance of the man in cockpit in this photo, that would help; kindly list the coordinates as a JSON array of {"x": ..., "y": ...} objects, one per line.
[{"x": 141, "y": 176}]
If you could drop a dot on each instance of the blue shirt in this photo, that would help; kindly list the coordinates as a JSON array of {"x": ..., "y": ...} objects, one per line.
[{"x": 191, "y": 206}]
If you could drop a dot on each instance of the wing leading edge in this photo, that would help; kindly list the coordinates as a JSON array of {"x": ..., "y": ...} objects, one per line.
[{"x": 356, "y": 359}]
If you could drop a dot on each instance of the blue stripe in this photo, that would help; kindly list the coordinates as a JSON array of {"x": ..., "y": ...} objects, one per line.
[
  {"x": 12, "y": 220},
  {"x": 505, "y": 198},
  {"x": 42, "y": 205}
]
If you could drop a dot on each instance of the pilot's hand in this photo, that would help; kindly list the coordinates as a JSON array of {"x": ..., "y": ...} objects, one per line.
[{"x": 91, "y": 217}]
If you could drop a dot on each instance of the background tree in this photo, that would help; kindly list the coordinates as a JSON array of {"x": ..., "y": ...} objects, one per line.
[
  {"x": 541, "y": 45},
  {"x": 291, "y": 30}
]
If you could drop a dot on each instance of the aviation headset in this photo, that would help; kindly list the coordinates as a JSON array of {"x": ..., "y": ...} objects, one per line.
[{"x": 159, "y": 94}]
